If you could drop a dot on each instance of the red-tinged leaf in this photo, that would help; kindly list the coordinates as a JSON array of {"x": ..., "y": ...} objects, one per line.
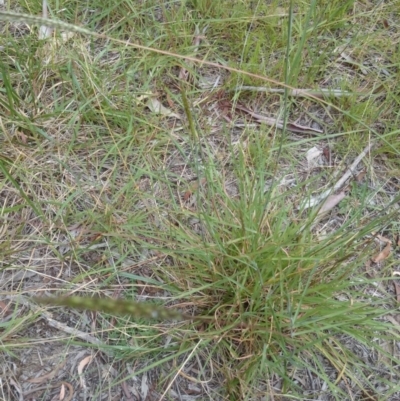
[
  {"x": 193, "y": 189},
  {"x": 4, "y": 309},
  {"x": 383, "y": 254},
  {"x": 301, "y": 129},
  {"x": 327, "y": 153}
]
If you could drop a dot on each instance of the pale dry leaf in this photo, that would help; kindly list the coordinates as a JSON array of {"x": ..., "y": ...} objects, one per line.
[
  {"x": 331, "y": 202},
  {"x": 155, "y": 106},
  {"x": 313, "y": 156},
  {"x": 383, "y": 239},
  {"x": 313, "y": 153},
  {"x": 45, "y": 32},
  {"x": 67, "y": 385},
  {"x": 62, "y": 392},
  {"x": 66, "y": 36},
  {"x": 393, "y": 320},
  {"x": 144, "y": 387},
  {"x": 397, "y": 290},
  {"x": 383, "y": 254},
  {"x": 83, "y": 363},
  {"x": 81, "y": 366}
]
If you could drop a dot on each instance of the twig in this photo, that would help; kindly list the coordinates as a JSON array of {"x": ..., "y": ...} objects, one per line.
[
  {"x": 349, "y": 172},
  {"x": 320, "y": 93},
  {"x": 71, "y": 330},
  {"x": 273, "y": 122},
  {"x": 61, "y": 326}
]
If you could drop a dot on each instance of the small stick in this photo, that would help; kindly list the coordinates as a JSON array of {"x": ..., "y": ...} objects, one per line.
[
  {"x": 349, "y": 172},
  {"x": 320, "y": 93}
]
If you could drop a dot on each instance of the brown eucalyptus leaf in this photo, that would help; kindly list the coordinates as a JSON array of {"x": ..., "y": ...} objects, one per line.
[{"x": 383, "y": 254}]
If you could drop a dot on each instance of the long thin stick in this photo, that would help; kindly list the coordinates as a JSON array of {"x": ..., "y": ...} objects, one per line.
[{"x": 349, "y": 172}]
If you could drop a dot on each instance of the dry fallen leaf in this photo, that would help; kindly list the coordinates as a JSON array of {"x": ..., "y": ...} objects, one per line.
[
  {"x": 360, "y": 176},
  {"x": 313, "y": 157},
  {"x": 155, "y": 106},
  {"x": 62, "y": 392},
  {"x": 382, "y": 238},
  {"x": 393, "y": 319},
  {"x": 81, "y": 366},
  {"x": 397, "y": 290},
  {"x": 144, "y": 387},
  {"x": 383, "y": 254},
  {"x": 331, "y": 202},
  {"x": 193, "y": 189},
  {"x": 4, "y": 309},
  {"x": 22, "y": 137}
]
